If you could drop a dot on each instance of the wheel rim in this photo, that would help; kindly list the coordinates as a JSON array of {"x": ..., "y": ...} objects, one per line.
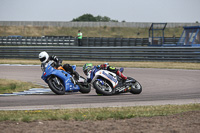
[
  {"x": 57, "y": 84},
  {"x": 136, "y": 85},
  {"x": 106, "y": 87}
]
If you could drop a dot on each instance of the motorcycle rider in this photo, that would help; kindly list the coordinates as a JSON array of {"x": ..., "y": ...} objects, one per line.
[
  {"x": 90, "y": 71},
  {"x": 106, "y": 66},
  {"x": 45, "y": 58}
]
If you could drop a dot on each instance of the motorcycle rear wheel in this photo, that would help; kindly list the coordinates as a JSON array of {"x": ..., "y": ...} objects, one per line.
[
  {"x": 84, "y": 88},
  {"x": 106, "y": 89},
  {"x": 56, "y": 85},
  {"x": 136, "y": 88}
]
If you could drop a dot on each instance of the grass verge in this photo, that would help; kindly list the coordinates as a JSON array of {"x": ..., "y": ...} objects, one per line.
[
  {"x": 96, "y": 113},
  {"x": 164, "y": 65},
  {"x": 122, "y": 32},
  {"x": 9, "y": 86}
]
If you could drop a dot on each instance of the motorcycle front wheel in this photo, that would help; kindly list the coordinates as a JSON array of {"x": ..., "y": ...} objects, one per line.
[
  {"x": 56, "y": 85},
  {"x": 105, "y": 88}
]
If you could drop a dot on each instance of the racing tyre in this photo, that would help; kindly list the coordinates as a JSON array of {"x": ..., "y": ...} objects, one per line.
[
  {"x": 105, "y": 88},
  {"x": 98, "y": 93},
  {"x": 136, "y": 88},
  {"x": 56, "y": 85},
  {"x": 84, "y": 88}
]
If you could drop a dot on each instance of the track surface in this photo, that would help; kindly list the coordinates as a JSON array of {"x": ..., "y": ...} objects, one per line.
[{"x": 160, "y": 86}]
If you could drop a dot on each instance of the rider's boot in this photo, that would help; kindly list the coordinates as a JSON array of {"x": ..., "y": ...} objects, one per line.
[{"x": 121, "y": 75}]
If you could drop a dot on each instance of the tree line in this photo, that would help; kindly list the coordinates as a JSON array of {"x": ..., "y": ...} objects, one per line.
[{"x": 90, "y": 17}]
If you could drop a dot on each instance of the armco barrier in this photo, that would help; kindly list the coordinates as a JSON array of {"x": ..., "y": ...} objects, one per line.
[
  {"x": 72, "y": 41},
  {"x": 89, "y": 24},
  {"x": 37, "y": 41},
  {"x": 181, "y": 54}
]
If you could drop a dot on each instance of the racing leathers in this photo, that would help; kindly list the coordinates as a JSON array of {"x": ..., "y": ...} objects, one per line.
[
  {"x": 67, "y": 67},
  {"x": 114, "y": 70},
  {"x": 58, "y": 62},
  {"x": 92, "y": 72}
]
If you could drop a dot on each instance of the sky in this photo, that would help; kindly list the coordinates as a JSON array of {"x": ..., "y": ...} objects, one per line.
[{"x": 128, "y": 10}]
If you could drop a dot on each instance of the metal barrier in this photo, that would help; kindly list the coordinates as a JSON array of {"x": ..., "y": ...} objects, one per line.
[
  {"x": 37, "y": 41},
  {"x": 102, "y": 41},
  {"x": 181, "y": 54},
  {"x": 89, "y": 24},
  {"x": 72, "y": 41}
]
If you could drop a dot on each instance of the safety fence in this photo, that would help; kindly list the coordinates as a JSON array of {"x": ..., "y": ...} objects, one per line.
[
  {"x": 181, "y": 54},
  {"x": 36, "y": 41},
  {"x": 86, "y": 41},
  {"x": 89, "y": 24},
  {"x": 101, "y": 41}
]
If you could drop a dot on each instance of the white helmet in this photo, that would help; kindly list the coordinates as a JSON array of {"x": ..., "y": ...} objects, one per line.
[{"x": 43, "y": 56}]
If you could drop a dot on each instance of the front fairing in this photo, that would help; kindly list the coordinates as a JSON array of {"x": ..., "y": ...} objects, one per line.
[
  {"x": 63, "y": 75},
  {"x": 92, "y": 73},
  {"x": 106, "y": 75},
  {"x": 68, "y": 81},
  {"x": 47, "y": 72}
]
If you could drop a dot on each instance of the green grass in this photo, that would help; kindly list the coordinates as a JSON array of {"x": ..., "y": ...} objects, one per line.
[
  {"x": 97, "y": 113},
  {"x": 9, "y": 86},
  {"x": 124, "y": 32}
]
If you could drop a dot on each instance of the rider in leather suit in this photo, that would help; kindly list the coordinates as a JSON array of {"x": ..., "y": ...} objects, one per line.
[
  {"x": 45, "y": 58},
  {"x": 106, "y": 66},
  {"x": 89, "y": 70}
]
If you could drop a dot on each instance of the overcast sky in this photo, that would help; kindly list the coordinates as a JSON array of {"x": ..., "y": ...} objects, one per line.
[{"x": 128, "y": 10}]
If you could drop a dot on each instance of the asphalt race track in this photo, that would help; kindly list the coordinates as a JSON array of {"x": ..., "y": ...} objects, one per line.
[{"x": 160, "y": 87}]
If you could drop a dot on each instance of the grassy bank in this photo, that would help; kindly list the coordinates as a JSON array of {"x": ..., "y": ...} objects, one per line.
[
  {"x": 96, "y": 113},
  {"x": 124, "y": 32},
  {"x": 164, "y": 65},
  {"x": 9, "y": 86}
]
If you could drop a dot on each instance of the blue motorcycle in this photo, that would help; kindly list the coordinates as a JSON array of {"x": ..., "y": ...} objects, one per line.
[{"x": 60, "y": 81}]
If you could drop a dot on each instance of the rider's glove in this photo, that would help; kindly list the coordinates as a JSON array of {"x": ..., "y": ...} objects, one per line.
[{"x": 54, "y": 58}]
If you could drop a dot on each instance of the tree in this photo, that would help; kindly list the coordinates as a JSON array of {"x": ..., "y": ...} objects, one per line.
[
  {"x": 90, "y": 17},
  {"x": 85, "y": 17},
  {"x": 103, "y": 19}
]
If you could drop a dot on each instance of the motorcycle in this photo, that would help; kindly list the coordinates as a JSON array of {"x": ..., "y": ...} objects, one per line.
[
  {"x": 60, "y": 81},
  {"x": 108, "y": 83}
]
